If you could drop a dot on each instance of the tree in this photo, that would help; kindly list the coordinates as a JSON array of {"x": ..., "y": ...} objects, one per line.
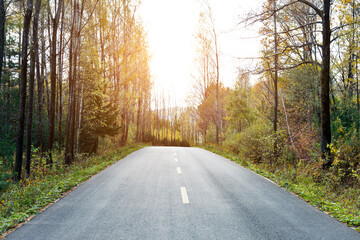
[
  {"x": 344, "y": 66},
  {"x": 40, "y": 75},
  {"x": 323, "y": 15},
  {"x": 214, "y": 36},
  {"x": 325, "y": 77},
  {"x": 53, "y": 52},
  {"x": 60, "y": 81},
  {"x": 209, "y": 62},
  {"x": 73, "y": 68},
  {"x": 23, "y": 76},
  {"x": 276, "y": 63},
  {"x": 98, "y": 118},
  {"x": 2, "y": 38},
  {"x": 238, "y": 105},
  {"x": 208, "y": 110},
  {"x": 33, "y": 51}
]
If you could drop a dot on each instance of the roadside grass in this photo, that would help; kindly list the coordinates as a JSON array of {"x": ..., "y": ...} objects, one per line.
[
  {"x": 342, "y": 203},
  {"x": 19, "y": 201}
]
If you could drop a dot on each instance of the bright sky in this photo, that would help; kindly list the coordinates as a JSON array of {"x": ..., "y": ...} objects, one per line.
[{"x": 170, "y": 27}]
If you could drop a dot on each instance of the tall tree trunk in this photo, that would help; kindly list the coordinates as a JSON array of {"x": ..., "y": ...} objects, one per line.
[
  {"x": 276, "y": 71},
  {"x": 52, "y": 89},
  {"x": 138, "y": 118},
  {"x": 21, "y": 123},
  {"x": 69, "y": 153},
  {"x": 325, "y": 84},
  {"x": 275, "y": 81},
  {"x": 20, "y": 46},
  {"x": 40, "y": 80},
  {"x": 77, "y": 75},
  {"x": 79, "y": 113},
  {"x": 357, "y": 97},
  {"x": 125, "y": 114},
  {"x": 355, "y": 58},
  {"x": 102, "y": 48},
  {"x": 61, "y": 55},
  {"x": 33, "y": 51},
  {"x": 2, "y": 39},
  {"x": 217, "y": 86},
  {"x": 53, "y": 49},
  {"x": 324, "y": 78},
  {"x": 215, "y": 38},
  {"x": 40, "y": 87},
  {"x": 356, "y": 72},
  {"x": 73, "y": 57}
]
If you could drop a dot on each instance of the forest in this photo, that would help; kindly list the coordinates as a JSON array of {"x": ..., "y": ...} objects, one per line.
[
  {"x": 66, "y": 67},
  {"x": 75, "y": 83}
]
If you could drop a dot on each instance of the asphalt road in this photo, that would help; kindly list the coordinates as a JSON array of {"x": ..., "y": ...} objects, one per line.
[{"x": 181, "y": 193}]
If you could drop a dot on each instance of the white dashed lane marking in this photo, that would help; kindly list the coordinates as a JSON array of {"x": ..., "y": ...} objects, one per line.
[{"x": 184, "y": 195}]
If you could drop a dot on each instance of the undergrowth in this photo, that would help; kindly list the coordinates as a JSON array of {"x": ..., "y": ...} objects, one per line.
[
  {"x": 341, "y": 202},
  {"x": 19, "y": 201}
]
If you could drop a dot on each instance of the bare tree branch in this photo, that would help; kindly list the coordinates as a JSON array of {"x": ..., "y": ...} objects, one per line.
[{"x": 319, "y": 12}]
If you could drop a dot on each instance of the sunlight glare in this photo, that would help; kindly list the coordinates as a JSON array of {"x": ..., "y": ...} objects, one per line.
[{"x": 170, "y": 26}]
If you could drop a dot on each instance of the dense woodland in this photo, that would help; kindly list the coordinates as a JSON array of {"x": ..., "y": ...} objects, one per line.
[
  {"x": 72, "y": 73},
  {"x": 75, "y": 75},
  {"x": 303, "y": 108}
]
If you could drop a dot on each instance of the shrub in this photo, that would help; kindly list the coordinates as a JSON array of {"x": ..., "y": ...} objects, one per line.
[
  {"x": 232, "y": 141},
  {"x": 346, "y": 154},
  {"x": 255, "y": 142}
]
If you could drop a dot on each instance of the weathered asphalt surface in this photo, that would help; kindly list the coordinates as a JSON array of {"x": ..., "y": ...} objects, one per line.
[{"x": 140, "y": 198}]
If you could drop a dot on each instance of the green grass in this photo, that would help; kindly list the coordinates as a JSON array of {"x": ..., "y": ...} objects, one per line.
[
  {"x": 21, "y": 200},
  {"x": 343, "y": 203}
]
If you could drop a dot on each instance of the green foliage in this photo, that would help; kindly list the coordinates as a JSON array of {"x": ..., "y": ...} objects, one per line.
[
  {"x": 5, "y": 173},
  {"x": 7, "y": 146},
  {"x": 207, "y": 109},
  {"x": 102, "y": 123},
  {"x": 343, "y": 118},
  {"x": 21, "y": 200},
  {"x": 257, "y": 143},
  {"x": 99, "y": 117},
  {"x": 345, "y": 151},
  {"x": 8, "y": 116},
  {"x": 238, "y": 106},
  {"x": 303, "y": 93},
  {"x": 254, "y": 141},
  {"x": 232, "y": 140}
]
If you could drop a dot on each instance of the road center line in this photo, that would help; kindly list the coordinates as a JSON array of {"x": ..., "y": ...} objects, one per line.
[
  {"x": 184, "y": 195},
  {"x": 178, "y": 170},
  {"x": 176, "y": 160}
]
